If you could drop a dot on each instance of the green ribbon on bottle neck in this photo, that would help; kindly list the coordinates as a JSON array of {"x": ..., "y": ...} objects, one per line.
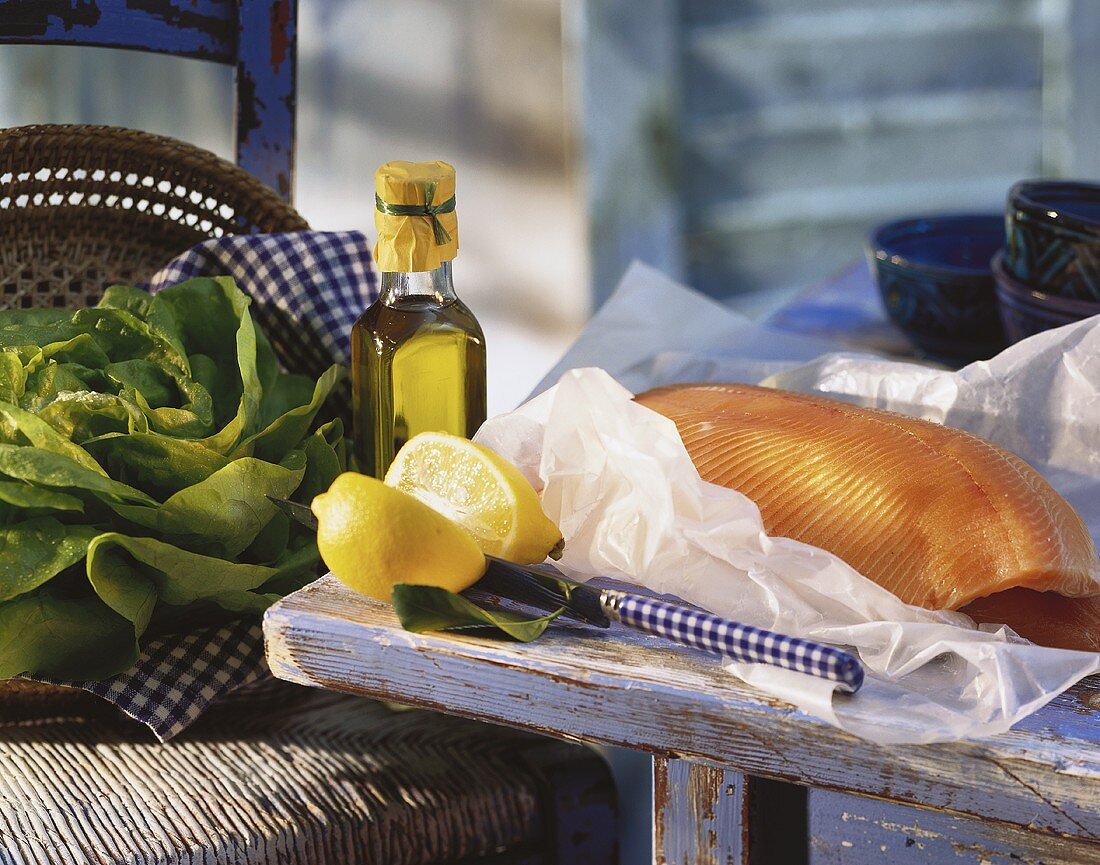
[{"x": 428, "y": 209}]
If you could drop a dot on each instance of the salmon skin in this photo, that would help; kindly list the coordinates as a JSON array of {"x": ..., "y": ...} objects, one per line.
[
  {"x": 1046, "y": 618},
  {"x": 938, "y": 516}
]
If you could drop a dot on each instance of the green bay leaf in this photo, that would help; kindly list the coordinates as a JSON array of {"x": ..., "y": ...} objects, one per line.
[{"x": 430, "y": 608}]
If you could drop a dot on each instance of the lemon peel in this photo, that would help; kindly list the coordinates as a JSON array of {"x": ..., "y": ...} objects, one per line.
[{"x": 372, "y": 536}]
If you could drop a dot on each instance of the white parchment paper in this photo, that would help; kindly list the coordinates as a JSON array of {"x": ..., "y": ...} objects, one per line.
[{"x": 618, "y": 481}]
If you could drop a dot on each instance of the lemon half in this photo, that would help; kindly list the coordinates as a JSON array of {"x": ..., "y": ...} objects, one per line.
[{"x": 481, "y": 491}]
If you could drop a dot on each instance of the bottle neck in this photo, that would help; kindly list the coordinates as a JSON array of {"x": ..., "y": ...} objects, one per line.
[{"x": 427, "y": 284}]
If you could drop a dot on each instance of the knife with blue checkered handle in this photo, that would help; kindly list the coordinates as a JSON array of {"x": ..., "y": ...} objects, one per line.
[
  {"x": 549, "y": 590},
  {"x": 680, "y": 623}
]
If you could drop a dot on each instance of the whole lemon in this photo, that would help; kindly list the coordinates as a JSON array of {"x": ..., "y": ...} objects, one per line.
[{"x": 371, "y": 536}]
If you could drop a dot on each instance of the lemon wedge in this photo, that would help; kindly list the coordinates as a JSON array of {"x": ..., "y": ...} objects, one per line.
[
  {"x": 481, "y": 491},
  {"x": 371, "y": 536}
]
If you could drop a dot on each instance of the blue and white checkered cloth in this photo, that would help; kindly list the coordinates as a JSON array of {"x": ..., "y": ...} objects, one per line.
[
  {"x": 178, "y": 676},
  {"x": 307, "y": 289}
]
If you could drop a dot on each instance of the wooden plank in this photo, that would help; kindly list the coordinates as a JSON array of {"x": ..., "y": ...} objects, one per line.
[
  {"x": 730, "y": 168},
  {"x": 620, "y": 688},
  {"x": 264, "y": 31},
  {"x": 703, "y": 815},
  {"x": 710, "y": 12},
  {"x": 863, "y": 202},
  {"x": 698, "y": 814},
  {"x": 189, "y": 28},
  {"x": 790, "y": 21},
  {"x": 846, "y": 830},
  {"x": 792, "y": 238},
  {"x": 866, "y": 115}
]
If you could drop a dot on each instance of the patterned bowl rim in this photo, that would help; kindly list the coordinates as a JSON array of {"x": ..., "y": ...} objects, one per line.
[
  {"x": 879, "y": 241},
  {"x": 1026, "y": 196},
  {"x": 1015, "y": 290}
]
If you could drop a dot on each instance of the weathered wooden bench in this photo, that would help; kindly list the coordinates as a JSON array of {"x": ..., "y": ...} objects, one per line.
[{"x": 738, "y": 777}]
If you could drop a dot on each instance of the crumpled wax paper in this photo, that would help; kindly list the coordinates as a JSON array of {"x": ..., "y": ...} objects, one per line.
[{"x": 618, "y": 481}]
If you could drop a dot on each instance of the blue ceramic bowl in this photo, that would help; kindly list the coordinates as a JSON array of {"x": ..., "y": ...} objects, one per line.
[
  {"x": 934, "y": 277},
  {"x": 1052, "y": 237},
  {"x": 1026, "y": 311}
]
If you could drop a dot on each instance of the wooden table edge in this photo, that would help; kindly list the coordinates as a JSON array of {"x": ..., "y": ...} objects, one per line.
[{"x": 1043, "y": 787}]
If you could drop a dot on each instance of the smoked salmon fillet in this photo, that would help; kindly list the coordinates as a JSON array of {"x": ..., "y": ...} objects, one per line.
[{"x": 939, "y": 517}]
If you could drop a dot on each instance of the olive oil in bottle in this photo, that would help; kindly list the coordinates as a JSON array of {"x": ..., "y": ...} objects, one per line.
[{"x": 418, "y": 353}]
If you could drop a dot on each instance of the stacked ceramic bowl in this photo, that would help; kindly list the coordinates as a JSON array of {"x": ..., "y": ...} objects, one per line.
[
  {"x": 959, "y": 297},
  {"x": 1049, "y": 272},
  {"x": 934, "y": 277}
]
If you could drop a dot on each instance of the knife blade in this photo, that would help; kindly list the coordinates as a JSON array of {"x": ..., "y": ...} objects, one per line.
[
  {"x": 297, "y": 512},
  {"x": 544, "y": 588}
]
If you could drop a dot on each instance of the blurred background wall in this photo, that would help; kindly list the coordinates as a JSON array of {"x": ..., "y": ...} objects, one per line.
[
  {"x": 745, "y": 146},
  {"x": 762, "y": 138},
  {"x": 479, "y": 83}
]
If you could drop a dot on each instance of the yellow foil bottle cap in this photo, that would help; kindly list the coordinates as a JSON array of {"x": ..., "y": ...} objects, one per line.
[{"x": 415, "y": 216}]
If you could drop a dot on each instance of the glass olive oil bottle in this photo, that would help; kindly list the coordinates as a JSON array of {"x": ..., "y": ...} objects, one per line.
[{"x": 418, "y": 353}]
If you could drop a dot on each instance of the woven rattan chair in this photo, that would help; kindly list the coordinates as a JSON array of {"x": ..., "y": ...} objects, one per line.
[
  {"x": 292, "y": 776},
  {"x": 287, "y": 778},
  {"x": 82, "y": 207}
]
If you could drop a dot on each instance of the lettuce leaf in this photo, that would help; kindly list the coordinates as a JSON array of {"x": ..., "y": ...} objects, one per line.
[
  {"x": 229, "y": 508},
  {"x": 27, "y": 498},
  {"x": 288, "y": 428},
  {"x": 64, "y": 638},
  {"x": 46, "y": 468},
  {"x": 35, "y": 551},
  {"x": 141, "y": 442}
]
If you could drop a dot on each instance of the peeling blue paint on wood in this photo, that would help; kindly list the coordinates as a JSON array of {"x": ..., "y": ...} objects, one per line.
[
  {"x": 204, "y": 28},
  {"x": 266, "y": 85},
  {"x": 620, "y": 688},
  {"x": 258, "y": 37},
  {"x": 703, "y": 815},
  {"x": 848, "y": 830},
  {"x": 698, "y": 813}
]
